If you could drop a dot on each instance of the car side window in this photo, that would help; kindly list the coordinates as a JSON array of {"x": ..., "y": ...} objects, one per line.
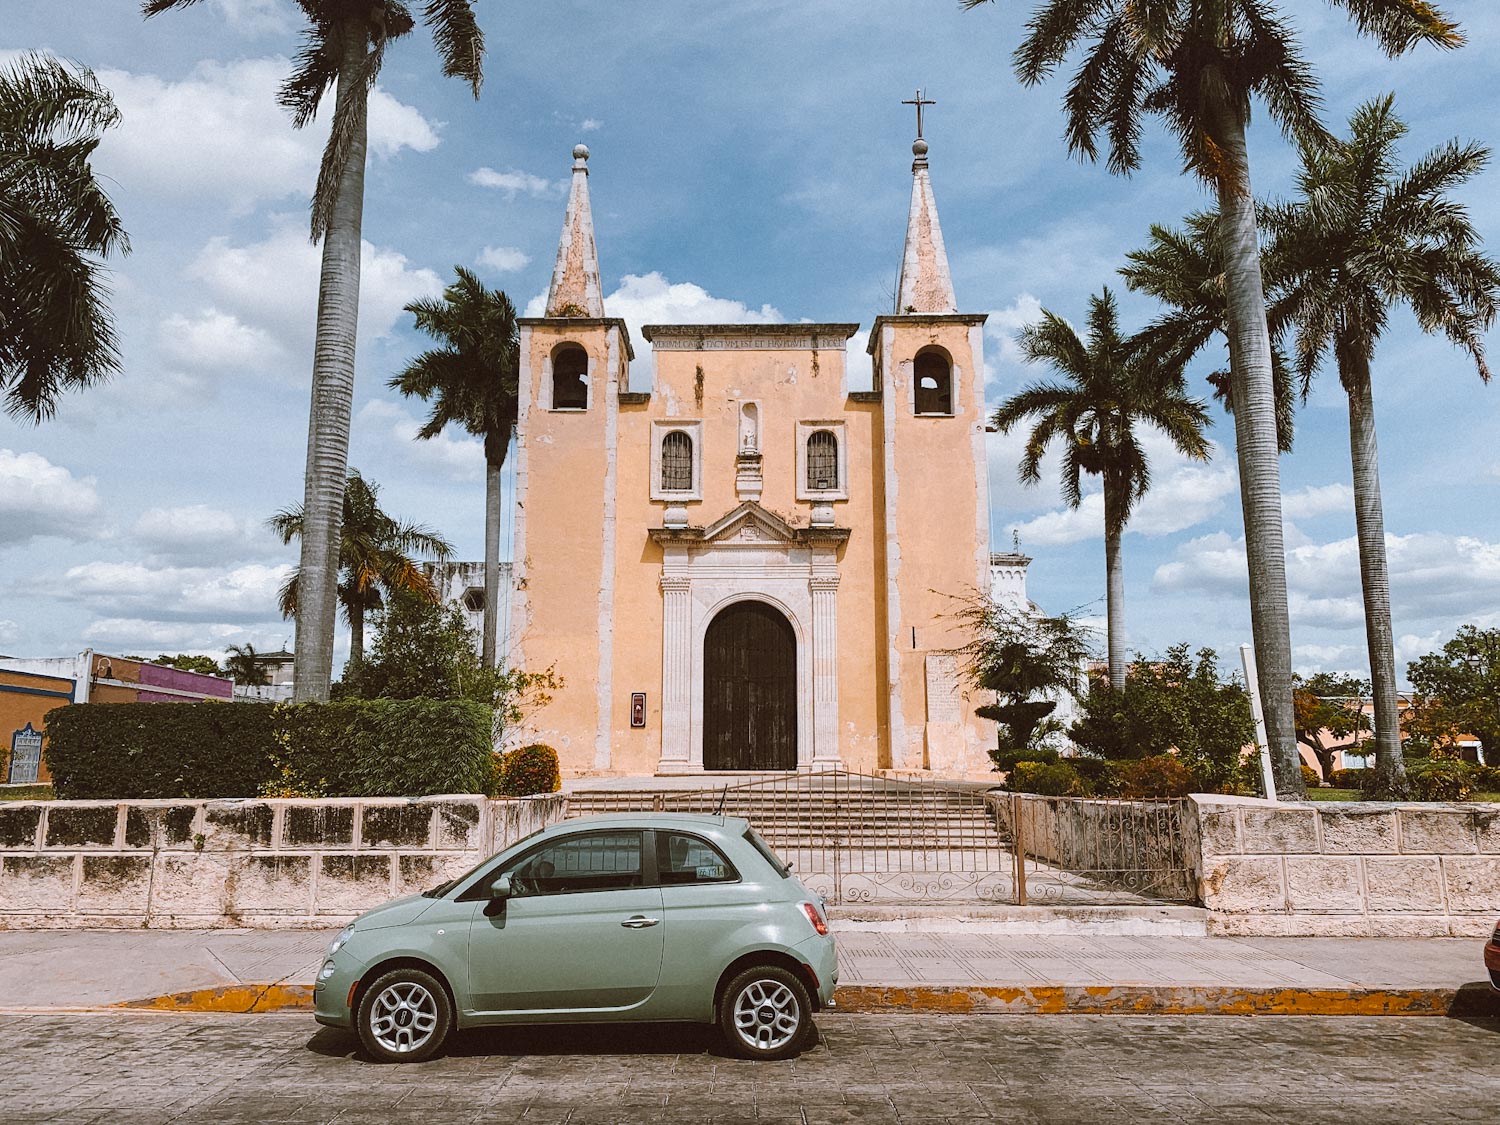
[
  {"x": 683, "y": 859},
  {"x": 592, "y": 861}
]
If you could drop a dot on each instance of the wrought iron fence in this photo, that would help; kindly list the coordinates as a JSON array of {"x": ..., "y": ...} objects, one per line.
[{"x": 865, "y": 838}]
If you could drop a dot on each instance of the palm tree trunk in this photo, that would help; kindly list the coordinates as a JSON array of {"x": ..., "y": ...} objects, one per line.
[
  {"x": 1374, "y": 579},
  {"x": 1255, "y": 443},
  {"x": 491, "y": 562},
  {"x": 356, "y": 636},
  {"x": 332, "y": 389},
  {"x": 1114, "y": 574}
]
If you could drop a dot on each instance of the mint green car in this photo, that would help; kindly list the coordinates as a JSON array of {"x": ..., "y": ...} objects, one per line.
[{"x": 604, "y": 918}]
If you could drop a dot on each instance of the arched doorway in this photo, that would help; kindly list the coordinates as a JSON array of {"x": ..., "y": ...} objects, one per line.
[{"x": 749, "y": 690}]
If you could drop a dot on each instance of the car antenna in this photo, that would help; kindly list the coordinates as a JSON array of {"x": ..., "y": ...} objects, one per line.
[{"x": 723, "y": 796}]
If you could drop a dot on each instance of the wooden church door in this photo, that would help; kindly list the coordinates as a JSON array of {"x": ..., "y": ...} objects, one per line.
[{"x": 750, "y": 690}]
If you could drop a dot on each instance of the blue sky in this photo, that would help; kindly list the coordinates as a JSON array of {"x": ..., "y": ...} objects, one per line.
[{"x": 750, "y": 161}]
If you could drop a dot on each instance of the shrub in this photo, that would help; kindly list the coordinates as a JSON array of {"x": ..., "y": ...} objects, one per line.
[
  {"x": 1159, "y": 776},
  {"x": 1487, "y": 778},
  {"x": 530, "y": 770},
  {"x": 1440, "y": 779},
  {"x": 1310, "y": 777},
  {"x": 159, "y": 750},
  {"x": 1050, "y": 779},
  {"x": 1006, "y": 759},
  {"x": 1102, "y": 778},
  {"x": 201, "y": 750},
  {"x": 1350, "y": 779}
]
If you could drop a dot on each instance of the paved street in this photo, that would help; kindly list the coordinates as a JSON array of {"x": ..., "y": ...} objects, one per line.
[{"x": 868, "y": 1068}]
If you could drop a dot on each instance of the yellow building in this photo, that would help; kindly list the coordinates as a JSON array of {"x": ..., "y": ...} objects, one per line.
[{"x": 751, "y": 566}]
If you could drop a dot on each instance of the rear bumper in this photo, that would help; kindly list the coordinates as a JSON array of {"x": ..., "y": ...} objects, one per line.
[
  {"x": 822, "y": 956},
  {"x": 1492, "y": 963}
]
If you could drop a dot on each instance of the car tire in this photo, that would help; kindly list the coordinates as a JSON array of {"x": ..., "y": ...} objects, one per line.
[
  {"x": 404, "y": 1016},
  {"x": 766, "y": 1013}
]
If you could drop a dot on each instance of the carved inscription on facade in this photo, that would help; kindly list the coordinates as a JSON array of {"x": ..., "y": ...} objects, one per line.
[{"x": 944, "y": 700}]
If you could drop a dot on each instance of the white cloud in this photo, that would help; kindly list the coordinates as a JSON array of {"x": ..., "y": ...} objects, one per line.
[
  {"x": 197, "y": 534},
  {"x": 9, "y": 632},
  {"x": 1183, "y": 493},
  {"x": 218, "y": 136},
  {"x": 1003, "y": 325},
  {"x": 504, "y": 259},
  {"x": 1436, "y": 579},
  {"x": 513, "y": 183},
  {"x": 256, "y": 17},
  {"x": 269, "y": 289},
  {"x": 171, "y": 593},
  {"x": 210, "y": 340},
  {"x": 1317, "y": 500},
  {"x": 134, "y": 634},
  {"x": 452, "y": 453},
  {"x": 38, "y": 498},
  {"x": 590, "y": 124}
]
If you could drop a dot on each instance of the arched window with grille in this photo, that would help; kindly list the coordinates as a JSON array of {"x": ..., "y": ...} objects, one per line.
[
  {"x": 570, "y": 389},
  {"x": 676, "y": 462},
  {"x": 933, "y": 375},
  {"x": 822, "y": 461}
]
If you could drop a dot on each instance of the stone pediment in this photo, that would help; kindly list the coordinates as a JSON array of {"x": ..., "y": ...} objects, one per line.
[{"x": 750, "y": 523}]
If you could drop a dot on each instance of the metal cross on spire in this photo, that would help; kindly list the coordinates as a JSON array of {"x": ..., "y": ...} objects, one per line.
[{"x": 919, "y": 102}]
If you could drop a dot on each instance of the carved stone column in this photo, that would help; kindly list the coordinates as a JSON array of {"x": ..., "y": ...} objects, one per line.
[
  {"x": 676, "y": 674},
  {"x": 824, "y": 585}
]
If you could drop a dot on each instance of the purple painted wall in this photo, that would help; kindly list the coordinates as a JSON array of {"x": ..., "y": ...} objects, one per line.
[{"x": 212, "y": 687}]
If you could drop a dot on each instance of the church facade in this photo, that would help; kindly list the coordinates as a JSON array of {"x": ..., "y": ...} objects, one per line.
[{"x": 751, "y": 566}]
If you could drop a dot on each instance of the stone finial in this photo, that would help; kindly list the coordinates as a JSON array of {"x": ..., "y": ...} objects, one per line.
[
  {"x": 926, "y": 286},
  {"x": 575, "y": 289}
]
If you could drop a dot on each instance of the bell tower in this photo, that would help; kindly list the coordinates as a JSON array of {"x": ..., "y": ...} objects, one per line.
[
  {"x": 575, "y": 362},
  {"x": 928, "y": 366}
]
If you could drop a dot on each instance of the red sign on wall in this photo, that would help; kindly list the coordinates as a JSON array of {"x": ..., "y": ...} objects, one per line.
[{"x": 637, "y": 708}]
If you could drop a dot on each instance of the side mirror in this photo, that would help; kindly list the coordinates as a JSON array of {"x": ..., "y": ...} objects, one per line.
[{"x": 500, "y": 888}]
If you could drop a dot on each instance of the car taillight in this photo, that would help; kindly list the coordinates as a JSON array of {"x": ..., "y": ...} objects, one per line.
[{"x": 815, "y": 918}]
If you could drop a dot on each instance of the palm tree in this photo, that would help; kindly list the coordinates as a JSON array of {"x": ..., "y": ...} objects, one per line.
[
  {"x": 344, "y": 46},
  {"x": 56, "y": 224},
  {"x": 1184, "y": 269},
  {"x": 1363, "y": 236},
  {"x": 243, "y": 665},
  {"x": 1110, "y": 388},
  {"x": 374, "y": 551},
  {"x": 472, "y": 381},
  {"x": 1198, "y": 64}
]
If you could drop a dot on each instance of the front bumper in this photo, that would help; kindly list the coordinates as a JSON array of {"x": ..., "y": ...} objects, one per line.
[
  {"x": 331, "y": 997},
  {"x": 1492, "y": 963}
]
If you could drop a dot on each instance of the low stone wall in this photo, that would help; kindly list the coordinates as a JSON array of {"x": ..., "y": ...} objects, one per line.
[
  {"x": 257, "y": 863},
  {"x": 1149, "y": 847},
  {"x": 1358, "y": 869}
]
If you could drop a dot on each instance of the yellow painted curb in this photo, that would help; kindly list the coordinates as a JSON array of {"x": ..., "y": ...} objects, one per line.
[
  {"x": 242, "y": 998},
  {"x": 1046, "y": 999}
]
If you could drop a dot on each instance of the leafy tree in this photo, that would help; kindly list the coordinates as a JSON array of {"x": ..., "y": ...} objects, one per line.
[
  {"x": 426, "y": 650},
  {"x": 1174, "y": 705},
  {"x": 343, "y": 46},
  {"x": 1019, "y": 656},
  {"x": 56, "y": 223},
  {"x": 1110, "y": 389},
  {"x": 375, "y": 553},
  {"x": 472, "y": 382},
  {"x": 186, "y": 662},
  {"x": 1458, "y": 690},
  {"x": 1199, "y": 64},
  {"x": 244, "y": 666},
  {"x": 1328, "y": 703},
  {"x": 1362, "y": 236}
]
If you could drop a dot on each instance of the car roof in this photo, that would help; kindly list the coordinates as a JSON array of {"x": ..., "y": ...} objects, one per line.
[{"x": 735, "y": 825}]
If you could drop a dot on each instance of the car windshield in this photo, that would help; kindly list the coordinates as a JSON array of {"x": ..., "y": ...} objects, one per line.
[
  {"x": 448, "y": 884},
  {"x": 782, "y": 869}
]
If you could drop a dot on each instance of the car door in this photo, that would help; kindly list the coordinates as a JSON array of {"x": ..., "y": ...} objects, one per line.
[{"x": 581, "y": 934}]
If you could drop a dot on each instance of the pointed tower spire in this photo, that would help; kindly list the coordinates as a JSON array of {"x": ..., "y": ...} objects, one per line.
[
  {"x": 925, "y": 285},
  {"x": 575, "y": 287}
]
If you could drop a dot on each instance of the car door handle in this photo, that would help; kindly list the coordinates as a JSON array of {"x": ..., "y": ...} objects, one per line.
[{"x": 639, "y": 922}]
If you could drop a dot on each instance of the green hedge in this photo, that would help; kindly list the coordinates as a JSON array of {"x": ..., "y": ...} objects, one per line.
[
  {"x": 363, "y": 748},
  {"x": 141, "y": 750}
]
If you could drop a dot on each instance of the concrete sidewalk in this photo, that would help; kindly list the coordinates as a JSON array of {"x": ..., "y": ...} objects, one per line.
[{"x": 259, "y": 970}]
